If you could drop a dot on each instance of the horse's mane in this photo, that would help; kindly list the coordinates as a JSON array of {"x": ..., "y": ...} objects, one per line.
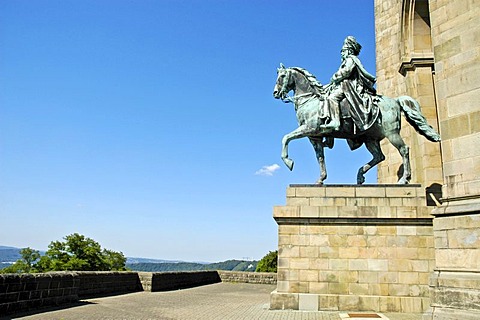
[{"x": 312, "y": 80}]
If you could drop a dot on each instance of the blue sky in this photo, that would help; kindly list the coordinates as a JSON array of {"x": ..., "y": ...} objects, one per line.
[{"x": 145, "y": 125}]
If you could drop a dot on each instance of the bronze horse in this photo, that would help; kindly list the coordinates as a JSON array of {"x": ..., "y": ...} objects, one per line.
[{"x": 309, "y": 96}]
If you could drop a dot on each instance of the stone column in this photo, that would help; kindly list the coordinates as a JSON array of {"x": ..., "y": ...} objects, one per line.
[{"x": 456, "y": 42}]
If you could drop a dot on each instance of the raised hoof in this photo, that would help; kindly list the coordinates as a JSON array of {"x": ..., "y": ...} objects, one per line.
[{"x": 288, "y": 163}]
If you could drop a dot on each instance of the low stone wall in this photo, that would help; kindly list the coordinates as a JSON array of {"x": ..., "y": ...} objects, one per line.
[
  {"x": 248, "y": 277},
  {"x": 21, "y": 292},
  {"x": 101, "y": 283},
  {"x": 164, "y": 281}
]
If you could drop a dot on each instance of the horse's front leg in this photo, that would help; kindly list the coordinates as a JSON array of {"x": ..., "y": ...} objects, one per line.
[
  {"x": 318, "y": 146},
  {"x": 298, "y": 133}
]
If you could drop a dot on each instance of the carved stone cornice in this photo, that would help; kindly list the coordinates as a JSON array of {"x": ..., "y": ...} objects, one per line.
[{"x": 417, "y": 61}]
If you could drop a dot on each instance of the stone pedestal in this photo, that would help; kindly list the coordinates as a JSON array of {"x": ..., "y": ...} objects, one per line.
[{"x": 358, "y": 248}]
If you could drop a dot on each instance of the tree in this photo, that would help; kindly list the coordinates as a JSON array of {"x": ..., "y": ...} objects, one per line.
[
  {"x": 268, "y": 263},
  {"x": 26, "y": 264},
  {"x": 80, "y": 253},
  {"x": 76, "y": 253}
]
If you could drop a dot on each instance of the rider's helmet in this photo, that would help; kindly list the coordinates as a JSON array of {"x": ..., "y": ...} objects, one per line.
[{"x": 351, "y": 44}]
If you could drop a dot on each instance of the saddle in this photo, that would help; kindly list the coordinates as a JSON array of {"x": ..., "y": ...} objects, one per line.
[{"x": 356, "y": 120}]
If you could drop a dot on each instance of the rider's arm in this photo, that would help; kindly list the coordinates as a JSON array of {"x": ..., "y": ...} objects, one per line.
[
  {"x": 363, "y": 70},
  {"x": 345, "y": 70}
]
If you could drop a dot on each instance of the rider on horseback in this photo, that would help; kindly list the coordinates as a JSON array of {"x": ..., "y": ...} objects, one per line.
[{"x": 354, "y": 84}]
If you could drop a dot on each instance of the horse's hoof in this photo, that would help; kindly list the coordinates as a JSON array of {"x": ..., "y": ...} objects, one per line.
[
  {"x": 360, "y": 178},
  {"x": 319, "y": 182},
  {"x": 288, "y": 163}
]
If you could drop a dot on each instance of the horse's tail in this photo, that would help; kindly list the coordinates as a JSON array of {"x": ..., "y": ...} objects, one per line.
[{"x": 414, "y": 116}]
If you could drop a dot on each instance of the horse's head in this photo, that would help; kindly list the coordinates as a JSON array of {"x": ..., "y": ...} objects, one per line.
[{"x": 284, "y": 83}]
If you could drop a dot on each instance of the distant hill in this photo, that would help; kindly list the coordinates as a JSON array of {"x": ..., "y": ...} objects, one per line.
[
  {"x": 131, "y": 260},
  {"x": 9, "y": 255},
  {"x": 229, "y": 265}
]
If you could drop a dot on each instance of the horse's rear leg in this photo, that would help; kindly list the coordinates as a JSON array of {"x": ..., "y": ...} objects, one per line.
[
  {"x": 298, "y": 133},
  {"x": 378, "y": 156},
  {"x": 318, "y": 146},
  {"x": 404, "y": 151}
]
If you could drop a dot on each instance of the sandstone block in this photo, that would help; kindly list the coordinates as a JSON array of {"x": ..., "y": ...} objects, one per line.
[
  {"x": 328, "y": 302},
  {"x": 358, "y": 288},
  {"x": 309, "y": 212},
  {"x": 298, "y": 201},
  {"x": 307, "y": 302},
  {"x": 338, "y": 288},
  {"x": 310, "y": 192},
  {"x": 308, "y": 275},
  {"x": 308, "y": 252},
  {"x": 370, "y": 277},
  {"x": 349, "y": 303},
  {"x": 408, "y": 277},
  {"x": 370, "y": 192},
  {"x": 338, "y": 264},
  {"x": 377, "y": 264},
  {"x": 390, "y": 304},
  {"x": 318, "y": 287},
  {"x": 336, "y": 192},
  {"x": 286, "y": 211},
  {"x": 358, "y": 264},
  {"x": 299, "y": 263}
]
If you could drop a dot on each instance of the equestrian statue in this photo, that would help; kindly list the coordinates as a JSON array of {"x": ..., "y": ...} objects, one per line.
[{"x": 348, "y": 108}]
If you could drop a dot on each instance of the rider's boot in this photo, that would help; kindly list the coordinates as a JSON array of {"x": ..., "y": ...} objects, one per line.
[
  {"x": 334, "y": 107},
  {"x": 333, "y": 124}
]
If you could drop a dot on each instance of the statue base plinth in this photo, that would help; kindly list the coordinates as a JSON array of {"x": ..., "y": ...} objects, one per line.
[{"x": 354, "y": 248}]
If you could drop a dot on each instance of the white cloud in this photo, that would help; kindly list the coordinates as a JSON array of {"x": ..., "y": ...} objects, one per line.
[{"x": 267, "y": 170}]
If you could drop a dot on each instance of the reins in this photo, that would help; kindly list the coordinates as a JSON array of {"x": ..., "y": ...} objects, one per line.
[{"x": 296, "y": 98}]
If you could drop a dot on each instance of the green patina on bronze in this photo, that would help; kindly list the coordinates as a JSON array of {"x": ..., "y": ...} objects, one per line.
[{"x": 348, "y": 108}]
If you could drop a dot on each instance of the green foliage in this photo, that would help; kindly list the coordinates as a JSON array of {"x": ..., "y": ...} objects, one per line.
[
  {"x": 268, "y": 263},
  {"x": 76, "y": 253}
]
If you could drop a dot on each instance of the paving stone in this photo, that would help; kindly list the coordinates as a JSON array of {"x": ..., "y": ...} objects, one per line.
[{"x": 212, "y": 302}]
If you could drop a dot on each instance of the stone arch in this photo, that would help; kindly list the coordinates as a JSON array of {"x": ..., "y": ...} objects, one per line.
[
  {"x": 417, "y": 68},
  {"x": 415, "y": 35}
]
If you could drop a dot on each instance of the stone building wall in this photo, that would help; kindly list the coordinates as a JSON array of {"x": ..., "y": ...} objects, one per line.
[
  {"x": 456, "y": 43},
  {"x": 404, "y": 67},
  {"x": 416, "y": 37}
]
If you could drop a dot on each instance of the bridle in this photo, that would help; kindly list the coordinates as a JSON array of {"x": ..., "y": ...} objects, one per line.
[
  {"x": 297, "y": 100},
  {"x": 283, "y": 90}
]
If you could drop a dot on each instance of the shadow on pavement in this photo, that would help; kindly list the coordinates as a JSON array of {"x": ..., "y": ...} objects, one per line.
[{"x": 36, "y": 311}]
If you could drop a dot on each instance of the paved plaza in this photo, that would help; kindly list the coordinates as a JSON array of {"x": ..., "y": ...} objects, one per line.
[{"x": 217, "y": 301}]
